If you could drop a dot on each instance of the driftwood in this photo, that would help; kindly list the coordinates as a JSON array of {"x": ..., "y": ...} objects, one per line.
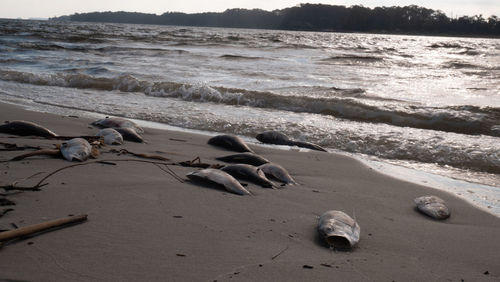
[
  {"x": 32, "y": 229},
  {"x": 196, "y": 162},
  {"x": 140, "y": 155},
  {"x": 42, "y": 152},
  {"x": 161, "y": 165}
]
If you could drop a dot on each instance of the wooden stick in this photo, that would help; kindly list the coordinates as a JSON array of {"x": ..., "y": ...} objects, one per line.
[
  {"x": 278, "y": 254},
  {"x": 49, "y": 152},
  {"x": 32, "y": 229}
]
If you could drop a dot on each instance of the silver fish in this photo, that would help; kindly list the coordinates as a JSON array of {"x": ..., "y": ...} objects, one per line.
[
  {"x": 25, "y": 128},
  {"x": 219, "y": 177},
  {"x": 129, "y": 134},
  {"x": 339, "y": 229},
  {"x": 244, "y": 158},
  {"x": 110, "y": 136},
  {"x": 278, "y": 138},
  {"x": 433, "y": 206},
  {"x": 278, "y": 172},
  {"x": 250, "y": 173},
  {"x": 117, "y": 122},
  {"x": 76, "y": 149},
  {"x": 230, "y": 142}
]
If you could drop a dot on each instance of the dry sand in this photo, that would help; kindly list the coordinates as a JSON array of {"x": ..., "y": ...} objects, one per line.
[{"x": 144, "y": 225}]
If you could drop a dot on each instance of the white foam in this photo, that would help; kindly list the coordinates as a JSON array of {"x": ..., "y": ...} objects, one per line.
[{"x": 484, "y": 197}]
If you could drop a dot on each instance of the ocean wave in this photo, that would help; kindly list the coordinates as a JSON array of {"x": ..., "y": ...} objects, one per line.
[
  {"x": 238, "y": 57},
  {"x": 450, "y": 45},
  {"x": 464, "y": 119},
  {"x": 138, "y": 50},
  {"x": 470, "y": 66},
  {"x": 461, "y": 65},
  {"x": 353, "y": 59},
  {"x": 470, "y": 52}
]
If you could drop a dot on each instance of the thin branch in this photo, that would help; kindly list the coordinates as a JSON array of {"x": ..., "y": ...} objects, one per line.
[
  {"x": 4, "y": 212},
  {"x": 193, "y": 163},
  {"x": 169, "y": 171},
  {"x": 49, "y": 152},
  {"x": 281, "y": 252}
]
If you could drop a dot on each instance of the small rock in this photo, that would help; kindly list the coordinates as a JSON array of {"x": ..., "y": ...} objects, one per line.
[{"x": 307, "y": 266}]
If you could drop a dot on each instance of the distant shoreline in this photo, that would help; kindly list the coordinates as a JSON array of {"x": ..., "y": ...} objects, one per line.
[{"x": 408, "y": 20}]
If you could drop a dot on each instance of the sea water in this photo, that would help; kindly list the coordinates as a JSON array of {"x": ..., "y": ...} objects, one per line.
[{"x": 425, "y": 103}]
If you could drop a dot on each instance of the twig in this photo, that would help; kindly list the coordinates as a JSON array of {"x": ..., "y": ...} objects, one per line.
[
  {"x": 32, "y": 229},
  {"x": 140, "y": 155},
  {"x": 196, "y": 162},
  {"x": 5, "y": 211},
  {"x": 36, "y": 187},
  {"x": 278, "y": 254},
  {"x": 50, "y": 152},
  {"x": 169, "y": 171}
]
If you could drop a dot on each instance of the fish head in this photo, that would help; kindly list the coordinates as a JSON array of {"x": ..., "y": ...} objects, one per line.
[
  {"x": 339, "y": 237},
  {"x": 339, "y": 230},
  {"x": 76, "y": 149}
]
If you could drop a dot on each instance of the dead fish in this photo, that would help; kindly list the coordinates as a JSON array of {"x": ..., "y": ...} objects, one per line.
[
  {"x": 278, "y": 138},
  {"x": 230, "y": 142},
  {"x": 273, "y": 137},
  {"x": 250, "y": 173},
  {"x": 339, "y": 230},
  {"x": 25, "y": 128},
  {"x": 76, "y": 149},
  {"x": 278, "y": 172},
  {"x": 117, "y": 122},
  {"x": 110, "y": 136},
  {"x": 244, "y": 158},
  {"x": 219, "y": 177},
  {"x": 433, "y": 206},
  {"x": 129, "y": 134}
]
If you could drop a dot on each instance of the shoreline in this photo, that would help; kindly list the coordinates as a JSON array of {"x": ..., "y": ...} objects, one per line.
[
  {"x": 486, "y": 198},
  {"x": 145, "y": 225}
]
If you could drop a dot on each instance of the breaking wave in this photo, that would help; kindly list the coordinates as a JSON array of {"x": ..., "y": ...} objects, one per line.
[
  {"x": 460, "y": 119},
  {"x": 353, "y": 58}
]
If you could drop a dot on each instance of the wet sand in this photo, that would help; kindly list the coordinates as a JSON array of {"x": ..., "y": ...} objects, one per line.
[{"x": 144, "y": 225}]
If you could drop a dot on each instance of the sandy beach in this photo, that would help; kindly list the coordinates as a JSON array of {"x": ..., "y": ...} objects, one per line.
[{"x": 145, "y": 225}]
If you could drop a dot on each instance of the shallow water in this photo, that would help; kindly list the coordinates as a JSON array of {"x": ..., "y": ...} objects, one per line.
[{"x": 431, "y": 103}]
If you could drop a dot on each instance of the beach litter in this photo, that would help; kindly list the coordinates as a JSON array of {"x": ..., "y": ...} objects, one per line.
[{"x": 36, "y": 228}]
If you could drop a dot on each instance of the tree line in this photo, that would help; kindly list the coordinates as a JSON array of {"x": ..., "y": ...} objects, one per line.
[{"x": 316, "y": 17}]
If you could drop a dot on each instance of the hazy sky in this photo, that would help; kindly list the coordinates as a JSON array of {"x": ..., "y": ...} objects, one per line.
[{"x": 51, "y": 8}]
